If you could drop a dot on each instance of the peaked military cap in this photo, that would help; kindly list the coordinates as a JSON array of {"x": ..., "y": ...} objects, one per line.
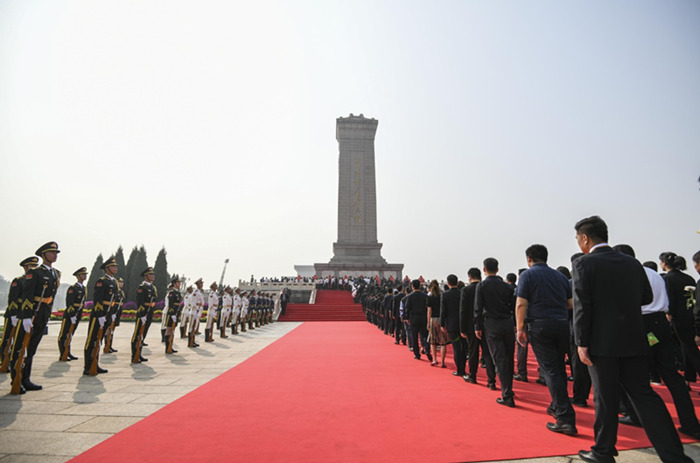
[
  {"x": 80, "y": 271},
  {"x": 174, "y": 280},
  {"x": 148, "y": 271},
  {"x": 199, "y": 281},
  {"x": 51, "y": 246},
  {"x": 33, "y": 261},
  {"x": 109, "y": 262}
]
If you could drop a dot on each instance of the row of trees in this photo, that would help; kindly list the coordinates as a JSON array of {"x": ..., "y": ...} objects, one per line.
[{"x": 131, "y": 270}]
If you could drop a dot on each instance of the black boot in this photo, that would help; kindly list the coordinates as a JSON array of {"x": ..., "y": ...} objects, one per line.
[
  {"x": 26, "y": 376},
  {"x": 162, "y": 336}
]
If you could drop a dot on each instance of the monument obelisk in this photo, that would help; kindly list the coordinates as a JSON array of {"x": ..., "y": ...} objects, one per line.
[{"x": 357, "y": 251}]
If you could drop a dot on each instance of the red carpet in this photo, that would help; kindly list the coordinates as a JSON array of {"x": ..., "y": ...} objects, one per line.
[
  {"x": 331, "y": 305},
  {"x": 345, "y": 392}
]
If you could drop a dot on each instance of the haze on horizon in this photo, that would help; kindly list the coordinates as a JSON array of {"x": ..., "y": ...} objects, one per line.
[{"x": 209, "y": 128}]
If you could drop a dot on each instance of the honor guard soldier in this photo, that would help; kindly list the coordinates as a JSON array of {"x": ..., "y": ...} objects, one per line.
[
  {"x": 11, "y": 320},
  {"x": 113, "y": 318},
  {"x": 105, "y": 292},
  {"x": 211, "y": 312},
  {"x": 145, "y": 301},
  {"x": 75, "y": 299},
  {"x": 197, "y": 308},
  {"x": 186, "y": 314},
  {"x": 245, "y": 303},
  {"x": 174, "y": 303},
  {"x": 226, "y": 305},
  {"x": 252, "y": 309},
  {"x": 236, "y": 315},
  {"x": 37, "y": 293}
]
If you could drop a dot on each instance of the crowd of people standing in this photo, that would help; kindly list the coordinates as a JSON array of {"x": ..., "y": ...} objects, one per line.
[{"x": 620, "y": 325}]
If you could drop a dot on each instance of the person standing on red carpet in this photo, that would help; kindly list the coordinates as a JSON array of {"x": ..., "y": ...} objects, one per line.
[
  {"x": 466, "y": 326},
  {"x": 211, "y": 312},
  {"x": 449, "y": 322},
  {"x": 542, "y": 308},
  {"x": 493, "y": 313},
  {"x": 416, "y": 316},
  {"x": 610, "y": 289}
]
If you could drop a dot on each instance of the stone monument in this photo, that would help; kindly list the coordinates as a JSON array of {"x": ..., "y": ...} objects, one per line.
[{"x": 357, "y": 251}]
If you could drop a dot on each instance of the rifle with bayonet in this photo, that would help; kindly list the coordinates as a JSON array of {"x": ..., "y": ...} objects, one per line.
[{"x": 17, "y": 382}]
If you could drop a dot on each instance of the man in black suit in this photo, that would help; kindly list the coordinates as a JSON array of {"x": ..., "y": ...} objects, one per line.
[
  {"x": 466, "y": 327},
  {"x": 493, "y": 319},
  {"x": 449, "y": 323},
  {"x": 609, "y": 290},
  {"x": 415, "y": 308}
]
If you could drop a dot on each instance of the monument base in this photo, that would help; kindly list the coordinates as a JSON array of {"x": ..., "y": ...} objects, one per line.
[{"x": 339, "y": 269}]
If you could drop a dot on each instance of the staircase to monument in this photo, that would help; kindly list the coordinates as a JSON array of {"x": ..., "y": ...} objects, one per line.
[{"x": 331, "y": 305}]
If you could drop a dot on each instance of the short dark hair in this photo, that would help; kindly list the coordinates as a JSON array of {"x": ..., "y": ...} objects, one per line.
[
  {"x": 576, "y": 256},
  {"x": 452, "y": 279},
  {"x": 564, "y": 271},
  {"x": 475, "y": 274},
  {"x": 652, "y": 265},
  {"x": 511, "y": 278},
  {"x": 491, "y": 264},
  {"x": 696, "y": 257},
  {"x": 415, "y": 284},
  {"x": 537, "y": 252},
  {"x": 624, "y": 249},
  {"x": 594, "y": 227}
]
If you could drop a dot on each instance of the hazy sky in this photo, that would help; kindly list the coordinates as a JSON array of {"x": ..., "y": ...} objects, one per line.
[{"x": 209, "y": 128}]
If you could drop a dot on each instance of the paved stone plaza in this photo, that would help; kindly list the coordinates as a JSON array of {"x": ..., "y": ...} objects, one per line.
[{"x": 75, "y": 412}]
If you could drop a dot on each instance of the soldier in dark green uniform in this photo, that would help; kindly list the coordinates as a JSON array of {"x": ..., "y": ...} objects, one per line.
[
  {"x": 113, "y": 317},
  {"x": 105, "y": 294},
  {"x": 11, "y": 320},
  {"x": 38, "y": 291},
  {"x": 174, "y": 303},
  {"x": 145, "y": 301},
  {"x": 75, "y": 298}
]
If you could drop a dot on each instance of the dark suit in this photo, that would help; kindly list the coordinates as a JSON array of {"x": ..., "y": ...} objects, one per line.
[
  {"x": 415, "y": 307},
  {"x": 449, "y": 319},
  {"x": 466, "y": 326},
  {"x": 609, "y": 291}
]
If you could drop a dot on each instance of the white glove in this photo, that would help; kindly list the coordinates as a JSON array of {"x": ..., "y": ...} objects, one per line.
[
  {"x": 14, "y": 320},
  {"x": 174, "y": 318},
  {"x": 143, "y": 319},
  {"x": 102, "y": 321},
  {"x": 27, "y": 324},
  {"x": 74, "y": 320}
]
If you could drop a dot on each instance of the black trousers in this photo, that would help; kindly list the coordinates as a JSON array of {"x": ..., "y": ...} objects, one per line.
[
  {"x": 691, "y": 354},
  {"x": 632, "y": 373},
  {"x": 474, "y": 345},
  {"x": 500, "y": 337},
  {"x": 38, "y": 330},
  {"x": 92, "y": 343},
  {"x": 661, "y": 357},
  {"x": 459, "y": 350},
  {"x": 419, "y": 330},
  {"x": 399, "y": 331},
  {"x": 582, "y": 378},
  {"x": 550, "y": 342}
]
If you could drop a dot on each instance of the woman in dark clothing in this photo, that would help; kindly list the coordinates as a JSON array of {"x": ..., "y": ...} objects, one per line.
[
  {"x": 680, "y": 287},
  {"x": 436, "y": 336}
]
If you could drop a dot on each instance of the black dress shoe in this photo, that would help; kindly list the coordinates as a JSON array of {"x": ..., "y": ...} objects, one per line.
[
  {"x": 567, "y": 429},
  {"x": 142, "y": 359},
  {"x": 86, "y": 373},
  {"x": 22, "y": 390},
  {"x": 469, "y": 379},
  {"x": 507, "y": 402},
  {"x": 455, "y": 373},
  {"x": 111, "y": 351},
  {"x": 30, "y": 386},
  {"x": 628, "y": 421},
  {"x": 578, "y": 403},
  {"x": 521, "y": 378},
  {"x": 541, "y": 381},
  {"x": 144, "y": 345},
  {"x": 72, "y": 357},
  {"x": 174, "y": 351},
  {"x": 417, "y": 357},
  {"x": 590, "y": 455},
  {"x": 491, "y": 386},
  {"x": 101, "y": 370}
]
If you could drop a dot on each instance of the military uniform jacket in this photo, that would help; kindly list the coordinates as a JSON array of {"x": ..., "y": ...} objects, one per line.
[
  {"x": 38, "y": 291},
  {"x": 145, "y": 299},
  {"x": 14, "y": 297},
  {"x": 106, "y": 293},
  {"x": 174, "y": 302},
  {"x": 75, "y": 298}
]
